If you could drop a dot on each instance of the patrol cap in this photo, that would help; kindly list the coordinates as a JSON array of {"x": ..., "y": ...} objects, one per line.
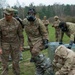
[
  {"x": 45, "y": 17},
  {"x": 15, "y": 11},
  {"x": 56, "y": 17},
  {"x": 8, "y": 11}
]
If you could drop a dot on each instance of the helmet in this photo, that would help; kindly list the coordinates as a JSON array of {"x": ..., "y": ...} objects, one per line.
[
  {"x": 56, "y": 17},
  {"x": 32, "y": 10},
  {"x": 15, "y": 11},
  {"x": 61, "y": 51}
]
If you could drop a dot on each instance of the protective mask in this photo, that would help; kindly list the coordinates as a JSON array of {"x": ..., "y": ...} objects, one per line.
[
  {"x": 31, "y": 18},
  {"x": 64, "y": 29}
]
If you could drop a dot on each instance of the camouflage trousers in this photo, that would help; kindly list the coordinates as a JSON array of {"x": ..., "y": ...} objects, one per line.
[
  {"x": 36, "y": 48},
  {"x": 57, "y": 35},
  {"x": 12, "y": 49}
]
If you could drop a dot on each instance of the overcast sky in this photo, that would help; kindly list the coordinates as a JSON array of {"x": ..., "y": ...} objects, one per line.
[{"x": 37, "y": 2}]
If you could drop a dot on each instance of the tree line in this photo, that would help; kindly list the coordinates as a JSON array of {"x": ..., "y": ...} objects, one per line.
[{"x": 60, "y": 10}]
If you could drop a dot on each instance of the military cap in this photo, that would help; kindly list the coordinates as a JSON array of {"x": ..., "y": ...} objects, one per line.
[
  {"x": 56, "y": 17},
  {"x": 15, "y": 11},
  {"x": 8, "y": 11}
]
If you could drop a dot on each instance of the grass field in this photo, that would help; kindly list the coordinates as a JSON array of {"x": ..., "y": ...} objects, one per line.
[{"x": 26, "y": 67}]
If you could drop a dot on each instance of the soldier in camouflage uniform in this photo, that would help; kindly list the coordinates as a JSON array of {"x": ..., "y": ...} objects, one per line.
[
  {"x": 11, "y": 41},
  {"x": 57, "y": 29},
  {"x": 37, "y": 40},
  {"x": 64, "y": 61},
  {"x": 69, "y": 29},
  {"x": 46, "y": 23},
  {"x": 20, "y": 21}
]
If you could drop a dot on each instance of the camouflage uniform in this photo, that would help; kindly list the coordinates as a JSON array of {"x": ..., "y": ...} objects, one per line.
[
  {"x": 36, "y": 33},
  {"x": 20, "y": 21},
  {"x": 57, "y": 29},
  {"x": 46, "y": 23},
  {"x": 71, "y": 32},
  {"x": 11, "y": 39},
  {"x": 64, "y": 61}
]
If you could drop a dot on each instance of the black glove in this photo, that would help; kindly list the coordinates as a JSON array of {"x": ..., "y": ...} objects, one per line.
[
  {"x": 60, "y": 42},
  {"x": 45, "y": 42},
  {"x": 70, "y": 45}
]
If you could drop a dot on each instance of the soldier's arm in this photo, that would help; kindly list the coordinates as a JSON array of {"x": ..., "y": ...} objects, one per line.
[
  {"x": 71, "y": 41},
  {"x": 20, "y": 20},
  {"x": 67, "y": 67},
  {"x": 20, "y": 33},
  {"x": 61, "y": 37},
  {"x": 43, "y": 30}
]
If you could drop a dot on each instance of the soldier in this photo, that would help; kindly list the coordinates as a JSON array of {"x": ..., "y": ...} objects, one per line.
[
  {"x": 11, "y": 41},
  {"x": 37, "y": 40},
  {"x": 57, "y": 29},
  {"x": 64, "y": 61},
  {"x": 69, "y": 29},
  {"x": 46, "y": 22},
  {"x": 15, "y": 15}
]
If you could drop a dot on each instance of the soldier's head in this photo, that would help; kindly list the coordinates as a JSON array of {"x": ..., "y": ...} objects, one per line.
[
  {"x": 15, "y": 13},
  {"x": 44, "y": 17},
  {"x": 61, "y": 52},
  {"x": 56, "y": 18},
  {"x": 63, "y": 26},
  {"x": 31, "y": 15},
  {"x": 8, "y": 13}
]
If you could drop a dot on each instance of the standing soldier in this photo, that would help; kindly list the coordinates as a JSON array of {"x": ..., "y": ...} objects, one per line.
[
  {"x": 64, "y": 61},
  {"x": 38, "y": 40},
  {"x": 46, "y": 22},
  {"x": 69, "y": 29},
  {"x": 15, "y": 15},
  {"x": 11, "y": 41},
  {"x": 57, "y": 29}
]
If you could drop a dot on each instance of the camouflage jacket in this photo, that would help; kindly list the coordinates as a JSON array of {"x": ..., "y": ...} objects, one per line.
[
  {"x": 71, "y": 32},
  {"x": 11, "y": 32},
  {"x": 56, "y": 24},
  {"x": 36, "y": 31},
  {"x": 64, "y": 65},
  {"x": 46, "y": 22}
]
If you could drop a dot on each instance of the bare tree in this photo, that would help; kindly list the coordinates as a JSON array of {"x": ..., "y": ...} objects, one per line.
[{"x": 2, "y": 3}]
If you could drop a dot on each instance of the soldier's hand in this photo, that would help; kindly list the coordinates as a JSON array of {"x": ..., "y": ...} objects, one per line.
[
  {"x": 0, "y": 51},
  {"x": 45, "y": 42},
  {"x": 60, "y": 43},
  {"x": 69, "y": 47}
]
